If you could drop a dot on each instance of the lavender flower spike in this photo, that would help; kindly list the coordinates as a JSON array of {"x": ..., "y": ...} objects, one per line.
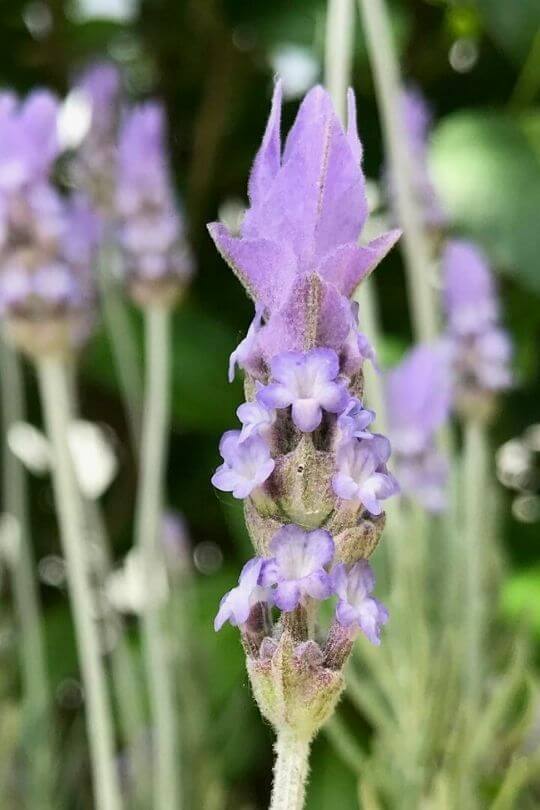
[
  {"x": 312, "y": 474},
  {"x": 236, "y": 605},
  {"x": 247, "y": 464},
  {"x": 157, "y": 258},
  {"x": 418, "y": 400},
  {"x": 307, "y": 381},
  {"x": 481, "y": 349},
  {"x": 356, "y": 607},
  {"x": 470, "y": 297},
  {"x": 297, "y": 569}
]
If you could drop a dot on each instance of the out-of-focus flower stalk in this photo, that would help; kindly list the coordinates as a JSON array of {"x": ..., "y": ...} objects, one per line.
[
  {"x": 339, "y": 52},
  {"x": 475, "y": 461},
  {"x": 54, "y": 388},
  {"x": 36, "y": 688},
  {"x": 166, "y": 790},
  {"x": 388, "y": 88},
  {"x": 123, "y": 344}
]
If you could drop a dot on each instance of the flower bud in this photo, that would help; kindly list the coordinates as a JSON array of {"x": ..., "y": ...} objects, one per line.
[{"x": 292, "y": 686}]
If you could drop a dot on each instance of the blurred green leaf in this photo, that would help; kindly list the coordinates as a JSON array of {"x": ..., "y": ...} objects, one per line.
[
  {"x": 513, "y": 25},
  {"x": 520, "y": 598},
  {"x": 488, "y": 177},
  {"x": 331, "y": 783}
]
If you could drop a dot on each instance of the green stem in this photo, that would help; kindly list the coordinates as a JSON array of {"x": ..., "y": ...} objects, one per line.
[
  {"x": 290, "y": 771},
  {"x": 339, "y": 51},
  {"x": 54, "y": 389},
  {"x": 37, "y": 697},
  {"x": 122, "y": 340},
  {"x": 385, "y": 68},
  {"x": 474, "y": 510},
  {"x": 156, "y": 645}
]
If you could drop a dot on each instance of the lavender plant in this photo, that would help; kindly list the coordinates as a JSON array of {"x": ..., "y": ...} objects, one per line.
[
  {"x": 312, "y": 476},
  {"x": 157, "y": 266},
  {"x": 47, "y": 299}
]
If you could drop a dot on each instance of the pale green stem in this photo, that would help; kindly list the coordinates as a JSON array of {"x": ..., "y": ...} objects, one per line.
[
  {"x": 290, "y": 771},
  {"x": 339, "y": 51},
  {"x": 54, "y": 389},
  {"x": 36, "y": 689},
  {"x": 385, "y": 68},
  {"x": 474, "y": 513},
  {"x": 127, "y": 688},
  {"x": 122, "y": 340},
  {"x": 156, "y": 645}
]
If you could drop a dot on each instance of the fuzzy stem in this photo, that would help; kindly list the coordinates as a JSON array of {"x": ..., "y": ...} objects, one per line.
[
  {"x": 339, "y": 51},
  {"x": 122, "y": 340},
  {"x": 37, "y": 698},
  {"x": 385, "y": 68},
  {"x": 55, "y": 399},
  {"x": 290, "y": 771},
  {"x": 148, "y": 526},
  {"x": 474, "y": 507}
]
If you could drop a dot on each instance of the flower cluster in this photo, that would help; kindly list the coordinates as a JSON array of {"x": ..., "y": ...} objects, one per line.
[
  {"x": 299, "y": 570},
  {"x": 47, "y": 241},
  {"x": 481, "y": 348},
  {"x": 312, "y": 474},
  {"x": 151, "y": 232},
  {"x": 418, "y": 402}
]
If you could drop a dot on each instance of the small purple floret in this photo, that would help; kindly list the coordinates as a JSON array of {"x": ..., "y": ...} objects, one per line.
[
  {"x": 354, "y": 421},
  {"x": 236, "y": 605},
  {"x": 307, "y": 382},
  {"x": 297, "y": 569},
  {"x": 256, "y": 419},
  {"x": 247, "y": 464},
  {"x": 356, "y": 607},
  {"x": 362, "y": 475}
]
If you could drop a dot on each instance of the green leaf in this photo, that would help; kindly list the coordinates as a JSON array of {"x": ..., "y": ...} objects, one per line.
[
  {"x": 513, "y": 25},
  {"x": 488, "y": 176}
]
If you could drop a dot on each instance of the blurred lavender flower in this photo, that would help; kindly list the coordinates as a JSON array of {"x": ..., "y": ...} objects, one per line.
[
  {"x": 416, "y": 118},
  {"x": 482, "y": 350},
  {"x": 48, "y": 241},
  {"x": 176, "y": 543},
  {"x": 151, "y": 231},
  {"x": 93, "y": 166},
  {"x": 418, "y": 401}
]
